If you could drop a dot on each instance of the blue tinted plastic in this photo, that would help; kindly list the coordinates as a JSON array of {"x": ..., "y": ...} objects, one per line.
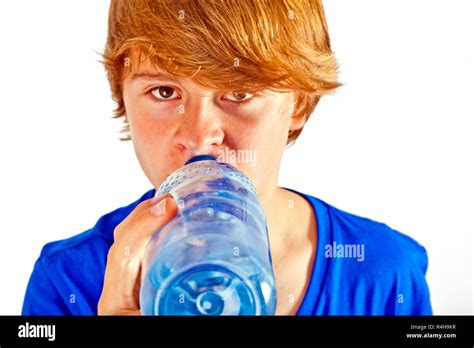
[{"x": 213, "y": 258}]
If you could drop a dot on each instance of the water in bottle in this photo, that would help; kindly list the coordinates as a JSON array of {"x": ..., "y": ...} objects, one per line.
[{"x": 213, "y": 257}]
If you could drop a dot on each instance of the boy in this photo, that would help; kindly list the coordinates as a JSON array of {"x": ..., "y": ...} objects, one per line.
[{"x": 206, "y": 77}]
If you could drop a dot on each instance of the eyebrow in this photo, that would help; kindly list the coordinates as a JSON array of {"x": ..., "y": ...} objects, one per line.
[{"x": 153, "y": 76}]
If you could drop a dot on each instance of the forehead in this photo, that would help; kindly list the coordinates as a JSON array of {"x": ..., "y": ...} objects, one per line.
[{"x": 136, "y": 69}]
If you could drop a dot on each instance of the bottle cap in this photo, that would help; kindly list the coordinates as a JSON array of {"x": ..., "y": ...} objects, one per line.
[{"x": 200, "y": 158}]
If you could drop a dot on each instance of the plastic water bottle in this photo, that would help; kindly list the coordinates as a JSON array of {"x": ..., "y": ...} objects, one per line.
[{"x": 213, "y": 257}]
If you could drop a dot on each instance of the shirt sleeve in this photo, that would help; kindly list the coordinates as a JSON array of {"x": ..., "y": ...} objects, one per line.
[
  {"x": 42, "y": 297},
  {"x": 413, "y": 297}
]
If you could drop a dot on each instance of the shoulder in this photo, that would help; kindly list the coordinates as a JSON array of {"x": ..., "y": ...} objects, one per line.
[
  {"x": 101, "y": 234},
  {"x": 382, "y": 240},
  {"x": 384, "y": 246},
  {"x": 67, "y": 277},
  {"x": 382, "y": 269}
]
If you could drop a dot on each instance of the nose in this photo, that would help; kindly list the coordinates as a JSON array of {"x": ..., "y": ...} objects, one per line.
[{"x": 200, "y": 130}]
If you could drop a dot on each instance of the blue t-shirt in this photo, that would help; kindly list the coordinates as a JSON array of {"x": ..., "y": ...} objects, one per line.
[{"x": 362, "y": 267}]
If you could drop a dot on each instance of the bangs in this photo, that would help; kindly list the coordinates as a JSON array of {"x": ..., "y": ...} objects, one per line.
[{"x": 238, "y": 45}]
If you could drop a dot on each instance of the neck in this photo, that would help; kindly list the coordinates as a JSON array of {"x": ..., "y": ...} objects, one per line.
[{"x": 277, "y": 205}]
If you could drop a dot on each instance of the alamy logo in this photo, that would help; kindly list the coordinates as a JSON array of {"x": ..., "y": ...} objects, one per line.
[
  {"x": 43, "y": 331},
  {"x": 335, "y": 250},
  {"x": 240, "y": 156}
]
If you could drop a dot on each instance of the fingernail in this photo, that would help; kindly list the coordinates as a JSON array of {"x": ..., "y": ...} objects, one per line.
[
  {"x": 155, "y": 199},
  {"x": 159, "y": 209}
]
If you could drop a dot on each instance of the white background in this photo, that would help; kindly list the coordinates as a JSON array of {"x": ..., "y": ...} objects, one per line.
[{"x": 395, "y": 144}]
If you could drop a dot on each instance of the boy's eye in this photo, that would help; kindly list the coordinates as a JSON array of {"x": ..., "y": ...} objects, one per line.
[
  {"x": 164, "y": 92},
  {"x": 238, "y": 96}
]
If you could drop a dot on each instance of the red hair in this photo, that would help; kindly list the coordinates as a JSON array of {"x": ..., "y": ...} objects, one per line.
[{"x": 235, "y": 45}]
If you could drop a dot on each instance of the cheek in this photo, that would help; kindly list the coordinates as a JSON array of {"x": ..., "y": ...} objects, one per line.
[
  {"x": 150, "y": 145},
  {"x": 140, "y": 116},
  {"x": 148, "y": 127},
  {"x": 269, "y": 133},
  {"x": 266, "y": 137},
  {"x": 151, "y": 139},
  {"x": 152, "y": 131},
  {"x": 266, "y": 125}
]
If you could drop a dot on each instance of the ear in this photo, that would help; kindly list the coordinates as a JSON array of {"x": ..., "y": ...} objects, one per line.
[{"x": 297, "y": 123}]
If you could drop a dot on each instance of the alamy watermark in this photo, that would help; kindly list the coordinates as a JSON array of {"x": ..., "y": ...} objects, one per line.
[
  {"x": 34, "y": 331},
  {"x": 335, "y": 250},
  {"x": 238, "y": 156}
]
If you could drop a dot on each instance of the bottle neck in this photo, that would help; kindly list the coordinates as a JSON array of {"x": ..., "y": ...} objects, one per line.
[{"x": 200, "y": 158}]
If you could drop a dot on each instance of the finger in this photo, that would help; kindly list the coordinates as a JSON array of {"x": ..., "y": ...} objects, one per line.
[
  {"x": 125, "y": 256},
  {"x": 149, "y": 202},
  {"x": 147, "y": 217}
]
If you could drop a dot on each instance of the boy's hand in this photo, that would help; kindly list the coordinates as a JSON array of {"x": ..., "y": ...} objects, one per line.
[{"x": 121, "y": 290}]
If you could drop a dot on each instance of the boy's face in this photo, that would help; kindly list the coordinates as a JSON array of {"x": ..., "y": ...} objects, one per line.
[{"x": 173, "y": 120}]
